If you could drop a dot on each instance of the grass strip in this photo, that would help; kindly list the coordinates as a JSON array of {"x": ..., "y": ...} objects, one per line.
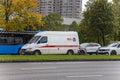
[{"x": 55, "y": 57}]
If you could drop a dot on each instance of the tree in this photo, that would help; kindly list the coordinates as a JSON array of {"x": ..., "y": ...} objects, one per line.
[
  {"x": 117, "y": 19},
  {"x": 5, "y": 11},
  {"x": 74, "y": 26},
  {"x": 82, "y": 31},
  {"x": 17, "y": 14},
  {"x": 99, "y": 18},
  {"x": 52, "y": 21},
  {"x": 29, "y": 22}
]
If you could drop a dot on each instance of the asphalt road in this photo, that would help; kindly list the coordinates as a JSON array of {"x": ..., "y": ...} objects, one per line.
[{"x": 99, "y": 70}]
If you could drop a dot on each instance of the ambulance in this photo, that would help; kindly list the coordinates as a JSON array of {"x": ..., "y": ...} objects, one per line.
[{"x": 52, "y": 42}]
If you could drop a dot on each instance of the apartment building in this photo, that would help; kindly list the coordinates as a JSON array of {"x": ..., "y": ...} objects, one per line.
[
  {"x": 66, "y": 8},
  {"x": 45, "y": 6},
  {"x": 71, "y": 8}
]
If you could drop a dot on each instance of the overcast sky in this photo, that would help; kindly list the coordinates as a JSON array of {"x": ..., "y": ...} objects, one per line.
[{"x": 84, "y": 2}]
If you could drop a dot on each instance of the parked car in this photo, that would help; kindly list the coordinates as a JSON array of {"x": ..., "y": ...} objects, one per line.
[
  {"x": 89, "y": 48},
  {"x": 111, "y": 49}
]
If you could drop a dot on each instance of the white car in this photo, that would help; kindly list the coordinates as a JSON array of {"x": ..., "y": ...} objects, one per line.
[
  {"x": 89, "y": 48},
  {"x": 111, "y": 49}
]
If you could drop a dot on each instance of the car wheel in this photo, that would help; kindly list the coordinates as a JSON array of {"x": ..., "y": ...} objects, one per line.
[
  {"x": 70, "y": 52},
  {"x": 113, "y": 52},
  {"x": 37, "y": 52},
  {"x": 82, "y": 52},
  {"x": 20, "y": 52},
  {"x": 97, "y": 53},
  {"x": 90, "y": 53}
]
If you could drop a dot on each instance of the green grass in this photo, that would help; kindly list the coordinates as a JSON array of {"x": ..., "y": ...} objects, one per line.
[{"x": 55, "y": 57}]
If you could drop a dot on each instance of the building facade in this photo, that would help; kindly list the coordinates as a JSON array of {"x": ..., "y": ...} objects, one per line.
[
  {"x": 71, "y": 8},
  {"x": 66, "y": 8},
  {"x": 45, "y": 6}
]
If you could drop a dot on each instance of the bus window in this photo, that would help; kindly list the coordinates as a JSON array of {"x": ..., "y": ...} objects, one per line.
[{"x": 3, "y": 41}]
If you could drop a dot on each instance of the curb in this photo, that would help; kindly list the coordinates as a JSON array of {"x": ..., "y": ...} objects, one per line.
[{"x": 66, "y": 60}]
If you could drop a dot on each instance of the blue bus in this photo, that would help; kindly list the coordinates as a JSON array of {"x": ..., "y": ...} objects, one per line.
[{"x": 12, "y": 41}]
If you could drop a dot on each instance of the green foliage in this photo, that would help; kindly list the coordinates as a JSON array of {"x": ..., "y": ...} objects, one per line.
[
  {"x": 82, "y": 31},
  {"x": 53, "y": 21},
  {"x": 116, "y": 7},
  {"x": 99, "y": 19},
  {"x": 74, "y": 26}
]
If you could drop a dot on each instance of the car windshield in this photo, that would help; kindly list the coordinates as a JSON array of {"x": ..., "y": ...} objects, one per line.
[
  {"x": 83, "y": 44},
  {"x": 34, "y": 39},
  {"x": 93, "y": 45},
  {"x": 89, "y": 45},
  {"x": 113, "y": 44}
]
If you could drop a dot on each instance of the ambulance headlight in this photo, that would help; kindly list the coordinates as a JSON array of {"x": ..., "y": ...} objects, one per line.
[{"x": 28, "y": 49}]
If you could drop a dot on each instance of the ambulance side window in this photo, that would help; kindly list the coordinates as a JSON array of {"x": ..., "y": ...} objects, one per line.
[{"x": 43, "y": 40}]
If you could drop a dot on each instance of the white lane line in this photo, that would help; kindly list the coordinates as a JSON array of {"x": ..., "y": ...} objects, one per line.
[
  {"x": 85, "y": 76},
  {"x": 43, "y": 68}
]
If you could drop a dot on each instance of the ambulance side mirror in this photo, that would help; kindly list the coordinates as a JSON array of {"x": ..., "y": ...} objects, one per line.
[{"x": 38, "y": 42}]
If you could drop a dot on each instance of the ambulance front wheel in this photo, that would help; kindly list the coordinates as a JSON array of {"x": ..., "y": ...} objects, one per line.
[
  {"x": 37, "y": 52},
  {"x": 70, "y": 52}
]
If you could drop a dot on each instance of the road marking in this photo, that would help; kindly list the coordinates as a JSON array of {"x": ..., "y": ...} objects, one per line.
[
  {"x": 39, "y": 68},
  {"x": 85, "y": 76}
]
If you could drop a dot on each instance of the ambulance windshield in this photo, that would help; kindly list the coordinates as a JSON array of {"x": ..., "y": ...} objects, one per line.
[{"x": 34, "y": 39}]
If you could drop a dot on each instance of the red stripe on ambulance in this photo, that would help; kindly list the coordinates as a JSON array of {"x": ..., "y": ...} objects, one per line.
[{"x": 54, "y": 46}]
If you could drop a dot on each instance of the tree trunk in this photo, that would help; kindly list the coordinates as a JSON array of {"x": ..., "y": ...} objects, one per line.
[
  {"x": 103, "y": 39},
  {"x": 98, "y": 39}
]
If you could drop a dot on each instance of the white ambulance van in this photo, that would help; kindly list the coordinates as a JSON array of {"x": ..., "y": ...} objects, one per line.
[{"x": 52, "y": 42}]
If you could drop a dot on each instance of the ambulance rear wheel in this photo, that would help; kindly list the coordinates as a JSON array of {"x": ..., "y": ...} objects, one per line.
[
  {"x": 37, "y": 52},
  {"x": 70, "y": 52}
]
